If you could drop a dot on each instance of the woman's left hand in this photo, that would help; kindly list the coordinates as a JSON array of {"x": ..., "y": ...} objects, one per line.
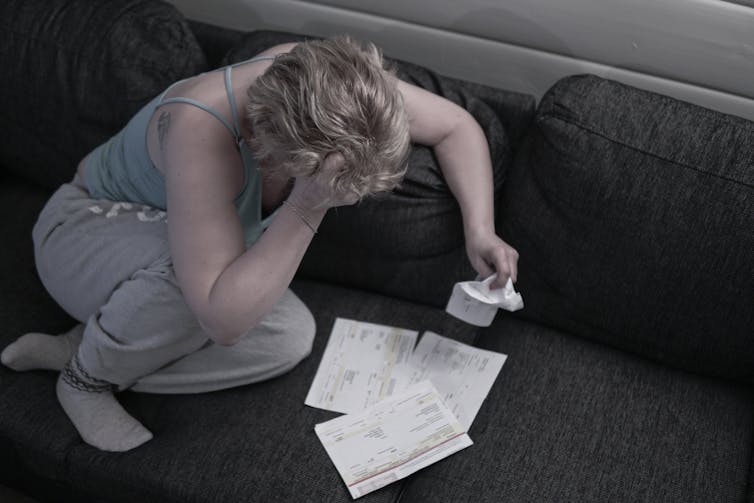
[{"x": 489, "y": 254}]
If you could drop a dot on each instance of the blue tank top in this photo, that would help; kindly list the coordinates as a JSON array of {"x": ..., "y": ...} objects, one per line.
[{"x": 121, "y": 170}]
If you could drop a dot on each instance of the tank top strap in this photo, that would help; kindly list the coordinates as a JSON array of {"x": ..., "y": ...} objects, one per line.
[
  {"x": 255, "y": 59},
  {"x": 231, "y": 98},
  {"x": 229, "y": 86},
  {"x": 234, "y": 128},
  {"x": 199, "y": 104}
]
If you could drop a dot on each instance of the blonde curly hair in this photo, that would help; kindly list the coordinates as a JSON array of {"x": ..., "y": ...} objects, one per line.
[{"x": 328, "y": 96}]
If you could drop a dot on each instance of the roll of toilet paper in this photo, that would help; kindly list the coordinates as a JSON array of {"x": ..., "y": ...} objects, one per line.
[{"x": 475, "y": 303}]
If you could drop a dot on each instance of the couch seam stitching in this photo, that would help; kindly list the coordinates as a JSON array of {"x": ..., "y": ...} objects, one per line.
[{"x": 581, "y": 126}]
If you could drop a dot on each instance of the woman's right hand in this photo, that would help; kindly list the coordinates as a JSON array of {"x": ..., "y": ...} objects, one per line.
[{"x": 315, "y": 191}]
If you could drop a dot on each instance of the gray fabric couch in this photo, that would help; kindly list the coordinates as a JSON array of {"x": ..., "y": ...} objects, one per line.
[{"x": 629, "y": 371}]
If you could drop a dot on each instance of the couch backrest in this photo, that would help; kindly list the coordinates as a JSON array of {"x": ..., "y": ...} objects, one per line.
[
  {"x": 74, "y": 71},
  {"x": 634, "y": 217}
]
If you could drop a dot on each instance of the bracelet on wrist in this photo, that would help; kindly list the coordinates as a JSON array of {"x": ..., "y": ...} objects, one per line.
[{"x": 300, "y": 214}]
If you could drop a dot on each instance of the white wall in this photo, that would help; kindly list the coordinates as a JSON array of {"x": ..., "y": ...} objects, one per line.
[{"x": 697, "y": 50}]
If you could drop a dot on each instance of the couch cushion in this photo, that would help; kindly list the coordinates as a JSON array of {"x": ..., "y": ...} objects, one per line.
[
  {"x": 573, "y": 420},
  {"x": 409, "y": 243},
  {"x": 251, "y": 443},
  {"x": 633, "y": 216},
  {"x": 75, "y": 72}
]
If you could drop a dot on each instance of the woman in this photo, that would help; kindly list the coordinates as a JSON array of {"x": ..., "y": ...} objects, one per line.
[{"x": 199, "y": 301}]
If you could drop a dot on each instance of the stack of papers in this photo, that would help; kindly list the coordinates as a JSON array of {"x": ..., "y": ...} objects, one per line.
[{"x": 407, "y": 408}]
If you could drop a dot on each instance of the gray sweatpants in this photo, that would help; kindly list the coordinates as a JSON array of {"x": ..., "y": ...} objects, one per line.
[{"x": 108, "y": 265}]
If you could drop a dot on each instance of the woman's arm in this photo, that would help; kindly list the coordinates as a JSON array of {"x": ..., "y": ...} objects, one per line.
[
  {"x": 228, "y": 287},
  {"x": 463, "y": 154}
]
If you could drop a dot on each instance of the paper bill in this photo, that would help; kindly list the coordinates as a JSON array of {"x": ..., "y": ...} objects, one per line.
[
  {"x": 360, "y": 365},
  {"x": 392, "y": 439},
  {"x": 462, "y": 374}
]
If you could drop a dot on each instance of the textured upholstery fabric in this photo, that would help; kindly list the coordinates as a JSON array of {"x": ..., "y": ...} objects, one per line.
[
  {"x": 214, "y": 40},
  {"x": 573, "y": 420},
  {"x": 253, "y": 443},
  {"x": 633, "y": 216},
  {"x": 396, "y": 243},
  {"x": 74, "y": 71}
]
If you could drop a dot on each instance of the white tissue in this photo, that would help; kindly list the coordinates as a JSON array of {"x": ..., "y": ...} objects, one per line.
[{"x": 474, "y": 302}]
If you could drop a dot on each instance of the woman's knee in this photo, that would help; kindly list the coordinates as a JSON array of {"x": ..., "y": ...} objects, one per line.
[
  {"x": 293, "y": 328},
  {"x": 302, "y": 329}
]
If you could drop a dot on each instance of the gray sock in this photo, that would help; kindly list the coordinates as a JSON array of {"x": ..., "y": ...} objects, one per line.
[
  {"x": 99, "y": 418},
  {"x": 41, "y": 351}
]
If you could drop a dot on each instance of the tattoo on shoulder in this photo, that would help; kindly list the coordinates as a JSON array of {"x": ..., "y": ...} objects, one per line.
[{"x": 163, "y": 124}]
